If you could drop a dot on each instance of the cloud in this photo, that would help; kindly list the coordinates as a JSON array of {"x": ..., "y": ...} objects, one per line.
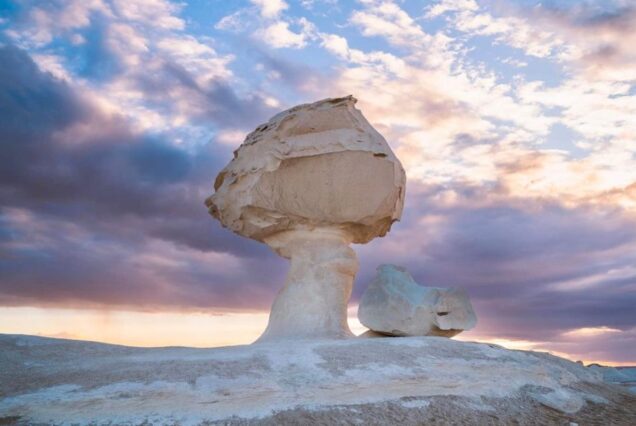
[
  {"x": 602, "y": 39},
  {"x": 270, "y": 26},
  {"x": 614, "y": 345},
  {"x": 114, "y": 172},
  {"x": 41, "y": 22},
  {"x": 444, "y": 6},
  {"x": 596, "y": 38},
  {"x": 590, "y": 331},
  {"x": 278, "y": 35},
  {"x": 88, "y": 268},
  {"x": 270, "y": 8},
  {"x": 114, "y": 196},
  {"x": 515, "y": 31},
  {"x": 293, "y": 75},
  {"x": 386, "y": 19},
  {"x": 158, "y": 12},
  {"x": 135, "y": 57}
]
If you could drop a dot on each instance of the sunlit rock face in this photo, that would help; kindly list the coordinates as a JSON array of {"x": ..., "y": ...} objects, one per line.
[
  {"x": 394, "y": 304},
  {"x": 314, "y": 165},
  {"x": 309, "y": 182}
]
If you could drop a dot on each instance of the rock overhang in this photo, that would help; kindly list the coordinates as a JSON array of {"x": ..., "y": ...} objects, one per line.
[{"x": 318, "y": 165}]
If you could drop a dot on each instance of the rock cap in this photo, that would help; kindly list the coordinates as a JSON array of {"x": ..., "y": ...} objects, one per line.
[{"x": 318, "y": 165}]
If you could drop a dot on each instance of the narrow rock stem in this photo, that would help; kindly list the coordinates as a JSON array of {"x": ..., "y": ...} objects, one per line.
[{"x": 313, "y": 303}]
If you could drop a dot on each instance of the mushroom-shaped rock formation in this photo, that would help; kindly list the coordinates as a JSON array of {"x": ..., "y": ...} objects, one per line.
[
  {"x": 308, "y": 183},
  {"x": 394, "y": 304}
]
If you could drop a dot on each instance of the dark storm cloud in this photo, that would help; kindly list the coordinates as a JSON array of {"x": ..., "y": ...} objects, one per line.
[
  {"x": 28, "y": 96},
  {"x": 116, "y": 188},
  {"x": 114, "y": 174},
  {"x": 54, "y": 262}
]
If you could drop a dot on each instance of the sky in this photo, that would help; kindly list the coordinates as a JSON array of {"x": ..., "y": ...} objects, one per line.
[{"x": 515, "y": 122}]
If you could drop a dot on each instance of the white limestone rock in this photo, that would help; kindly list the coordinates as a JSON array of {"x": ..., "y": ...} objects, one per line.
[
  {"x": 624, "y": 376},
  {"x": 394, "y": 304},
  {"x": 411, "y": 380},
  {"x": 308, "y": 183}
]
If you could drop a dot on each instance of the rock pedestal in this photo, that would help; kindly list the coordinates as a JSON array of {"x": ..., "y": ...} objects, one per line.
[
  {"x": 309, "y": 182},
  {"x": 314, "y": 300}
]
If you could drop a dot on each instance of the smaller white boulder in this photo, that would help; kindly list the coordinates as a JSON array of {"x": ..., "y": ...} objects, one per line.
[{"x": 394, "y": 304}]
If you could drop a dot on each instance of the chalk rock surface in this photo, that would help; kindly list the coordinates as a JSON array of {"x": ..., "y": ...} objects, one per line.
[
  {"x": 407, "y": 381},
  {"x": 394, "y": 304},
  {"x": 308, "y": 183},
  {"x": 311, "y": 166},
  {"x": 624, "y": 376}
]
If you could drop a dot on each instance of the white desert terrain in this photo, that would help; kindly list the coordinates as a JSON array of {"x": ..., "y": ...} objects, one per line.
[{"x": 401, "y": 380}]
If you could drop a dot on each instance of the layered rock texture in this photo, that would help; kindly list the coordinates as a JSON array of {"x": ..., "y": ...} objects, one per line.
[
  {"x": 309, "y": 182},
  {"x": 394, "y": 304},
  {"x": 312, "y": 166},
  {"x": 406, "y": 381}
]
